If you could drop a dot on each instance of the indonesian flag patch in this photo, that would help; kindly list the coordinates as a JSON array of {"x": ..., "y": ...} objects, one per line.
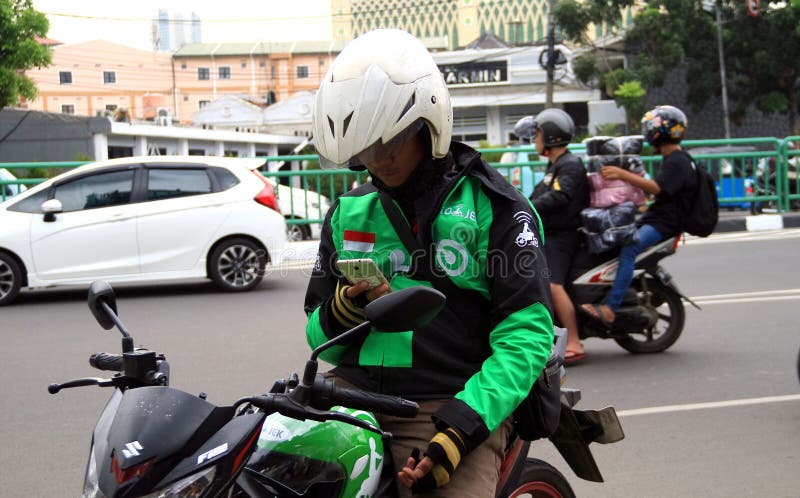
[{"x": 358, "y": 241}]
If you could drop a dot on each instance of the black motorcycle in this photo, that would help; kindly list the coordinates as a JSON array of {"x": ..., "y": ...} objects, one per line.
[
  {"x": 652, "y": 314},
  {"x": 306, "y": 437}
]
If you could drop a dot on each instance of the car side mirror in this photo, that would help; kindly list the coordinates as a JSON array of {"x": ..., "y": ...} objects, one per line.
[{"x": 50, "y": 209}]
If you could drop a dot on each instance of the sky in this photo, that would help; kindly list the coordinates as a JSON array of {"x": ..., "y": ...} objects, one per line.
[{"x": 128, "y": 22}]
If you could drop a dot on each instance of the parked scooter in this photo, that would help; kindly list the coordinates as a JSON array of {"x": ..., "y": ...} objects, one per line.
[
  {"x": 652, "y": 314},
  {"x": 298, "y": 440}
]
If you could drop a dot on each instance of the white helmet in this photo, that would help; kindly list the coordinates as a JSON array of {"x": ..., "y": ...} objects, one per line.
[{"x": 382, "y": 84}]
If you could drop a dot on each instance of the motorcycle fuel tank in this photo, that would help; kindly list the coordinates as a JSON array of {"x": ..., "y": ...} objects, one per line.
[{"x": 320, "y": 458}]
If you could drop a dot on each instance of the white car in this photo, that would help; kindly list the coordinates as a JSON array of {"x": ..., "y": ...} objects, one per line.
[
  {"x": 298, "y": 204},
  {"x": 140, "y": 219}
]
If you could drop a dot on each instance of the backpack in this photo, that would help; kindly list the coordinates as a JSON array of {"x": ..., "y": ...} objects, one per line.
[{"x": 703, "y": 207}]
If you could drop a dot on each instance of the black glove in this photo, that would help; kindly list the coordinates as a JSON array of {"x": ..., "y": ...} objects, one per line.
[
  {"x": 446, "y": 449},
  {"x": 344, "y": 309}
]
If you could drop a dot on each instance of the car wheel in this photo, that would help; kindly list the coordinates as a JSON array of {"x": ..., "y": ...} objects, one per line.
[
  {"x": 10, "y": 279},
  {"x": 296, "y": 233},
  {"x": 237, "y": 265}
]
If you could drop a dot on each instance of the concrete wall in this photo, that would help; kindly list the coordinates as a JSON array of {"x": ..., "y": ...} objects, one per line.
[{"x": 36, "y": 136}]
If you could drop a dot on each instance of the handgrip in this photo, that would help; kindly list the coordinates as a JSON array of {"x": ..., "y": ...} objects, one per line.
[
  {"x": 325, "y": 395},
  {"x": 106, "y": 361},
  {"x": 374, "y": 402}
]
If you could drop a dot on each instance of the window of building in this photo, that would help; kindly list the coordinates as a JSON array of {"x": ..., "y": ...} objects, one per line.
[
  {"x": 203, "y": 73},
  {"x": 302, "y": 71},
  {"x": 186, "y": 98},
  {"x": 197, "y": 152},
  {"x": 68, "y": 109},
  {"x": 225, "y": 73},
  {"x": 109, "y": 77},
  {"x": 65, "y": 77},
  {"x": 183, "y": 65},
  {"x": 203, "y": 103},
  {"x": 111, "y": 107},
  {"x": 272, "y": 72},
  {"x": 115, "y": 151},
  {"x": 244, "y": 65},
  {"x": 169, "y": 183},
  {"x": 262, "y": 63}
]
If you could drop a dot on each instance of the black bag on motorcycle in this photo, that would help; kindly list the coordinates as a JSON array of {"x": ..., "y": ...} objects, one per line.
[{"x": 538, "y": 415}]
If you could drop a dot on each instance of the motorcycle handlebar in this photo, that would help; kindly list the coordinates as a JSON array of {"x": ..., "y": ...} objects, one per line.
[
  {"x": 326, "y": 395},
  {"x": 106, "y": 361}
]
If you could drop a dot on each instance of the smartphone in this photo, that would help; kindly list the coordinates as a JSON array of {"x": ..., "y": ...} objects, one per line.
[{"x": 356, "y": 270}]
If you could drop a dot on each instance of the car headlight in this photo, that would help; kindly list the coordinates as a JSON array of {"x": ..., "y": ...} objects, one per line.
[
  {"x": 189, "y": 487},
  {"x": 91, "y": 485}
]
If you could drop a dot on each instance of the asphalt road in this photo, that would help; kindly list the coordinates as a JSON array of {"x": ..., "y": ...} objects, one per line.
[{"x": 738, "y": 354}]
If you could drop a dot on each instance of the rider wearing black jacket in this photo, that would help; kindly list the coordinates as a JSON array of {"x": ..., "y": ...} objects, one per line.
[{"x": 559, "y": 199}]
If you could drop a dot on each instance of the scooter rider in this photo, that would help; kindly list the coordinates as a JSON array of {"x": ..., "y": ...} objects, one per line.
[
  {"x": 559, "y": 199},
  {"x": 663, "y": 127},
  {"x": 384, "y": 105}
]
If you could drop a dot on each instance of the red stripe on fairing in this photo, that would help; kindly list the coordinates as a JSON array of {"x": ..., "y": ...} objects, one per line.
[
  {"x": 354, "y": 236},
  {"x": 238, "y": 462}
]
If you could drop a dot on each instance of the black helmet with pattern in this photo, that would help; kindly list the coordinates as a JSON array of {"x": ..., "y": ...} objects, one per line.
[{"x": 664, "y": 125}]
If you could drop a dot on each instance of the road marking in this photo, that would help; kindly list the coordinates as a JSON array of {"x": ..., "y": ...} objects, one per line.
[
  {"x": 722, "y": 238},
  {"x": 705, "y": 406},
  {"x": 748, "y": 294},
  {"x": 749, "y": 297},
  {"x": 748, "y": 300}
]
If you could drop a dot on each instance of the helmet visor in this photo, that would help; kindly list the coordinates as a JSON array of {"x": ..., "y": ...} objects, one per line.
[{"x": 378, "y": 151}]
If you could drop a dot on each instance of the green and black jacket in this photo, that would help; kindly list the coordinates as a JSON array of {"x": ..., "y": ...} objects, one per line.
[{"x": 489, "y": 344}]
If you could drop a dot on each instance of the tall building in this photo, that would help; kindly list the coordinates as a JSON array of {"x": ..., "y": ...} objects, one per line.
[
  {"x": 174, "y": 30},
  {"x": 163, "y": 41},
  {"x": 196, "y": 33},
  {"x": 458, "y": 22}
]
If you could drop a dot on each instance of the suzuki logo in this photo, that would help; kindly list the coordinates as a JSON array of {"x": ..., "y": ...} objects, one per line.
[{"x": 132, "y": 449}]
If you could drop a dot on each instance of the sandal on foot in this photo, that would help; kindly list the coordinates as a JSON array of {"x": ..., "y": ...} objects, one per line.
[
  {"x": 595, "y": 312},
  {"x": 572, "y": 356}
]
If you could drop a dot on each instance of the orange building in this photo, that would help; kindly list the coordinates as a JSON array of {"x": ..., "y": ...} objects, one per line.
[
  {"x": 97, "y": 77},
  {"x": 100, "y": 77}
]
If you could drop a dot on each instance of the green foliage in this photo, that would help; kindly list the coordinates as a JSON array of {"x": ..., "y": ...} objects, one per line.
[
  {"x": 20, "y": 24},
  {"x": 584, "y": 67},
  {"x": 762, "y": 55}
]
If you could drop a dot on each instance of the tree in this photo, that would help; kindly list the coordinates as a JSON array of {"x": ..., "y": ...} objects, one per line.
[
  {"x": 20, "y": 24},
  {"x": 762, "y": 55}
]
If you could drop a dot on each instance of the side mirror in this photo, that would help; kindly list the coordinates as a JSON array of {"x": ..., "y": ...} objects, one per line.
[
  {"x": 51, "y": 208},
  {"x": 407, "y": 309},
  {"x": 100, "y": 293},
  {"x": 525, "y": 128}
]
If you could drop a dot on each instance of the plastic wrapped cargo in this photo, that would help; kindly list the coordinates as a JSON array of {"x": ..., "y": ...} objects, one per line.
[
  {"x": 601, "y": 219},
  {"x": 628, "y": 162},
  {"x": 597, "y": 243},
  {"x": 607, "y": 192},
  {"x": 614, "y": 146}
]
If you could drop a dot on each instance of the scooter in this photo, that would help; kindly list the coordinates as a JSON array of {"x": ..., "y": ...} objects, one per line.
[
  {"x": 652, "y": 315},
  {"x": 306, "y": 437}
]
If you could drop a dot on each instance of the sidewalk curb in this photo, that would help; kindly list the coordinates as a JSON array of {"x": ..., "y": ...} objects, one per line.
[{"x": 790, "y": 220}]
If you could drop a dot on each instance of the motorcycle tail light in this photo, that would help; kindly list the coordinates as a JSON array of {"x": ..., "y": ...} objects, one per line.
[
  {"x": 677, "y": 241},
  {"x": 125, "y": 475}
]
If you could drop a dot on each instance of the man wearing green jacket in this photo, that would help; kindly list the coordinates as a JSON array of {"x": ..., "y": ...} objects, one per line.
[{"x": 384, "y": 106}]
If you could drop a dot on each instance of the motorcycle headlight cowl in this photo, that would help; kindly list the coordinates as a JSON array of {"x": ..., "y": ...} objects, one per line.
[{"x": 189, "y": 487}]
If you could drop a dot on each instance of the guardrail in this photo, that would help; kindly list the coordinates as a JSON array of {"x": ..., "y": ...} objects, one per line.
[{"x": 751, "y": 173}]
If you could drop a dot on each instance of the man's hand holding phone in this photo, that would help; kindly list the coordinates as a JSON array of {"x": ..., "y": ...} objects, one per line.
[
  {"x": 366, "y": 278},
  {"x": 371, "y": 294}
]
